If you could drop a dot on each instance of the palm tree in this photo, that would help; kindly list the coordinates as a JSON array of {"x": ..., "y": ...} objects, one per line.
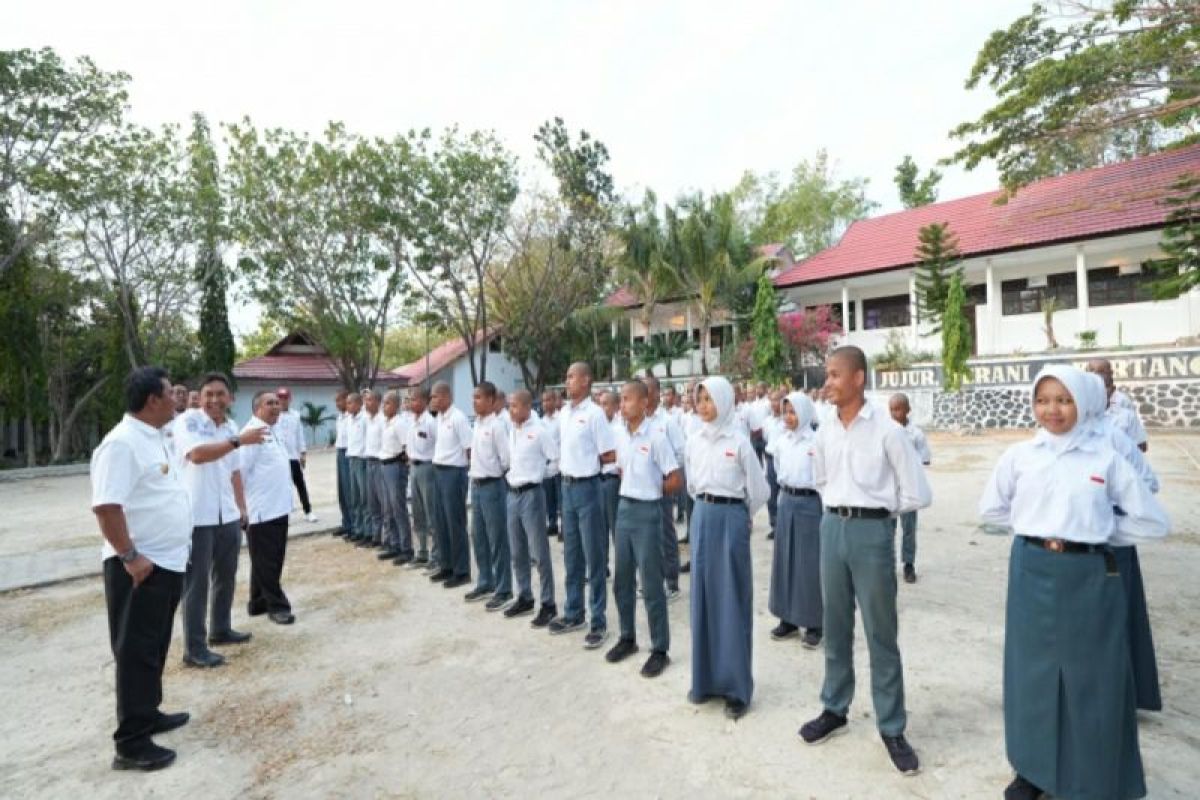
[
  {"x": 314, "y": 417},
  {"x": 643, "y": 268},
  {"x": 662, "y": 348},
  {"x": 710, "y": 255}
]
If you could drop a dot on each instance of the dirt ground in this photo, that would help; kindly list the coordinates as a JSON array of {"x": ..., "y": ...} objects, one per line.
[{"x": 390, "y": 686}]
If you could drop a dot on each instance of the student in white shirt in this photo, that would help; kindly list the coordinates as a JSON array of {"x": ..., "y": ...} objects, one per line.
[
  {"x": 1124, "y": 416},
  {"x": 145, "y": 517},
  {"x": 489, "y": 501},
  {"x": 206, "y": 441},
  {"x": 726, "y": 480},
  {"x": 899, "y": 409},
  {"x": 672, "y": 405},
  {"x": 649, "y": 473},
  {"x": 531, "y": 448},
  {"x": 795, "y": 597},
  {"x": 422, "y": 438},
  {"x": 867, "y": 472},
  {"x": 551, "y": 403},
  {"x": 771, "y": 425},
  {"x": 372, "y": 443},
  {"x": 356, "y": 451},
  {"x": 610, "y": 477},
  {"x": 291, "y": 433},
  {"x": 451, "y": 454},
  {"x": 344, "y": 491},
  {"x": 665, "y": 423},
  {"x": 393, "y": 468},
  {"x": 265, "y": 472},
  {"x": 586, "y": 443},
  {"x": 1069, "y": 709}
]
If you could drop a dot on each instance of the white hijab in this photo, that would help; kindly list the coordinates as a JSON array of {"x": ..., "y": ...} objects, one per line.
[
  {"x": 1076, "y": 383},
  {"x": 1096, "y": 403},
  {"x": 804, "y": 408},
  {"x": 721, "y": 393}
]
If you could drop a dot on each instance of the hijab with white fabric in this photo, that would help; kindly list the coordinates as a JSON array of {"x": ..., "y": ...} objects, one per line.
[
  {"x": 721, "y": 393},
  {"x": 804, "y": 408}
]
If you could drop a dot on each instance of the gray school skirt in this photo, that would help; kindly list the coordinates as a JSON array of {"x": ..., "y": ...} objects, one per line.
[{"x": 796, "y": 565}]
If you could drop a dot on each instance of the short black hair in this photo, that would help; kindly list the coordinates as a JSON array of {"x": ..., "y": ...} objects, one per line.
[
  {"x": 142, "y": 384},
  {"x": 258, "y": 396},
  {"x": 854, "y": 355},
  {"x": 210, "y": 377},
  {"x": 487, "y": 388},
  {"x": 638, "y": 386}
]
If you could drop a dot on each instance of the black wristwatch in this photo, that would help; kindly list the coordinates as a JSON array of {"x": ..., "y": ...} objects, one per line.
[
  {"x": 236, "y": 441},
  {"x": 129, "y": 556}
]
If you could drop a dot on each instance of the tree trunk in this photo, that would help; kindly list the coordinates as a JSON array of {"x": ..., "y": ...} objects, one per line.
[
  {"x": 62, "y": 449},
  {"x": 30, "y": 441}
]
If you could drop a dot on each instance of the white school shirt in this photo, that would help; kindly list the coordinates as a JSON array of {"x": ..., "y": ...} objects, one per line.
[
  {"x": 1122, "y": 400},
  {"x": 291, "y": 432},
  {"x": 356, "y": 434},
  {"x": 453, "y": 438},
  {"x": 585, "y": 436},
  {"x": 210, "y": 485},
  {"x": 1071, "y": 494},
  {"x": 756, "y": 413},
  {"x": 794, "y": 452},
  {"x": 691, "y": 424},
  {"x": 617, "y": 423},
  {"x": 531, "y": 448},
  {"x": 168, "y": 434},
  {"x": 395, "y": 435},
  {"x": 666, "y": 423},
  {"x": 870, "y": 465},
  {"x": 1127, "y": 449},
  {"x": 1127, "y": 422},
  {"x": 132, "y": 469},
  {"x": 266, "y": 476},
  {"x": 489, "y": 448},
  {"x": 374, "y": 438},
  {"x": 724, "y": 464},
  {"x": 773, "y": 427},
  {"x": 551, "y": 422},
  {"x": 645, "y": 457},
  {"x": 340, "y": 428},
  {"x": 422, "y": 437},
  {"x": 919, "y": 442}
]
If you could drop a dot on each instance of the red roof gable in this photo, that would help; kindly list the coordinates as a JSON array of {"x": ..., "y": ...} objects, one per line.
[
  {"x": 622, "y": 298},
  {"x": 1095, "y": 202},
  {"x": 439, "y": 357},
  {"x": 315, "y": 368}
]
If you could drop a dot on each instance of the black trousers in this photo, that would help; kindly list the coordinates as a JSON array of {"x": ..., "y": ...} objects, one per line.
[
  {"x": 301, "y": 486},
  {"x": 267, "y": 543},
  {"x": 139, "y": 629}
]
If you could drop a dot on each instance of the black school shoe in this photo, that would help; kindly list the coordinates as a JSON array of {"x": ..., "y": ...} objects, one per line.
[
  {"x": 498, "y": 602},
  {"x": 595, "y": 638},
  {"x": 910, "y": 573},
  {"x": 546, "y": 614},
  {"x": 524, "y": 605},
  {"x": 441, "y": 576},
  {"x": 784, "y": 630},
  {"x": 1021, "y": 789},
  {"x": 145, "y": 758},
  {"x": 455, "y": 582},
  {"x": 621, "y": 650},
  {"x": 735, "y": 709},
  {"x": 902, "y": 754},
  {"x": 169, "y": 722},
  {"x": 811, "y": 639},
  {"x": 655, "y": 664},
  {"x": 823, "y": 728},
  {"x": 475, "y": 595}
]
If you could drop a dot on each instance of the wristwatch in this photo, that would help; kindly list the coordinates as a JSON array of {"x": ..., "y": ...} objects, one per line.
[
  {"x": 236, "y": 441},
  {"x": 129, "y": 556}
]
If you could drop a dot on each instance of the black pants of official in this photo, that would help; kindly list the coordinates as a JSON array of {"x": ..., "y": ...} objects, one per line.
[
  {"x": 267, "y": 543},
  {"x": 139, "y": 629},
  {"x": 301, "y": 486}
]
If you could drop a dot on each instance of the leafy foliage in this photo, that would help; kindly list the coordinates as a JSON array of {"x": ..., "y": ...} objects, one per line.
[
  {"x": 770, "y": 354},
  {"x": 662, "y": 348},
  {"x": 809, "y": 334},
  {"x": 314, "y": 416},
  {"x": 915, "y": 190},
  {"x": 1180, "y": 270},
  {"x": 217, "y": 348},
  {"x": 956, "y": 336},
  {"x": 938, "y": 263}
]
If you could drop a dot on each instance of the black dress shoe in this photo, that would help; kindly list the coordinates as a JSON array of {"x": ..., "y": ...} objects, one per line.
[
  {"x": 169, "y": 722},
  {"x": 546, "y": 614},
  {"x": 455, "y": 582},
  {"x": 497, "y": 602},
  {"x": 621, "y": 650},
  {"x": 402, "y": 559},
  {"x": 820, "y": 729},
  {"x": 441, "y": 575},
  {"x": 255, "y": 611},
  {"x": 387, "y": 554},
  {"x": 910, "y": 573},
  {"x": 811, "y": 639},
  {"x": 655, "y": 664},
  {"x": 475, "y": 595},
  {"x": 209, "y": 659},
  {"x": 735, "y": 709},
  {"x": 902, "y": 754},
  {"x": 230, "y": 637},
  {"x": 686, "y": 568},
  {"x": 1021, "y": 789},
  {"x": 146, "y": 758},
  {"x": 784, "y": 630},
  {"x": 524, "y": 605},
  {"x": 282, "y": 617}
]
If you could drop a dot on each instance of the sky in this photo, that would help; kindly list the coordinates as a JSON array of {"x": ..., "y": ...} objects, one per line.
[{"x": 685, "y": 95}]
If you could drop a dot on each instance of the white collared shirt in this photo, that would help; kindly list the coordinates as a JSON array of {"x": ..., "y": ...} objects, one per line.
[
  {"x": 340, "y": 427},
  {"x": 666, "y": 423},
  {"x": 453, "y": 438},
  {"x": 374, "y": 437},
  {"x": 724, "y": 464},
  {"x": 209, "y": 485},
  {"x": 691, "y": 424},
  {"x": 773, "y": 426},
  {"x": 870, "y": 465},
  {"x": 645, "y": 457},
  {"x": 1071, "y": 495},
  {"x": 266, "y": 476},
  {"x": 1122, "y": 400},
  {"x": 356, "y": 434},
  {"x": 291, "y": 432},
  {"x": 133, "y": 469},
  {"x": 794, "y": 452},
  {"x": 422, "y": 437},
  {"x": 919, "y": 442},
  {"x": 1127, "y": 422},
  {"x": 489, "y": 448},
  {"x": 552, "y": 426},
  {"x": 617, "y": 423},
  {"x": 1126, "y": 448},
  {"x": 585, "y": 436},
  {"x": 531, "y": 448},
  {"x": 395, "y": 435}
]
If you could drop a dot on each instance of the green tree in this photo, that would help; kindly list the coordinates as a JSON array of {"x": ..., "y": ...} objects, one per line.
[
  {"x": 217, "y": 348},
  {"x": 956, "y": 336},
  {"x": 770, "y": 353},
  {"x": 643, "y": 267},
  {"x": 808, "y": 213},
  {"x": 260, "y": 340},
  {"x": 661, "y": 348},
  {"x": 313, "y": 417},
  {"x": 915, "y": 190},
  {"x": 1092, "y": 83},
  {"x": 938, "y": 262},
  {"x": 1180, "y": 270}
]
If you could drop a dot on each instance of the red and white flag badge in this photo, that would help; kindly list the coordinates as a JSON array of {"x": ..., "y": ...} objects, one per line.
[
  {"x": 730, "y": 454},
  {"x": 1097, "y": 479}
]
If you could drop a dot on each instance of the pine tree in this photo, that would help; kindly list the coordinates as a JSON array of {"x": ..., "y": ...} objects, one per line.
[
  {"x": 217, "y": 347},
  {"x": 913, "y": 189},
  {"x": 770, "y": 354},
  {"x": 1180, "y": 270},
  {"x": 938, "y": 261},
  {"x": 956, "y": 336}
]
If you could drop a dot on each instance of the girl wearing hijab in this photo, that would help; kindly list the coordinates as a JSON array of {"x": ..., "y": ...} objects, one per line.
[
  {"x": 1069, "y": 720},
  {"x": 1141, "y": 639},
  {"x": 726, "y": 480},
  {"x": 796, "y": 567}
]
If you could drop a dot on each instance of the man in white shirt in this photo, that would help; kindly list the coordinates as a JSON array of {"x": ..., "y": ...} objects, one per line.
[
  {"x": 373, "y": 445},
  {"x": 610, "y": 474},
  {"x": 586, "y": 445},
  {"x": 451, "y": 454},
  {"x": 356, "y": 448},
  {"x": 673, "y": 407},
  {"x": 551, "y": 402},
  {"x": 1122, "y": 413},
  {"x": 291, "y": 432},
  {"x": 393, "y": 465},
  {"x": 145, "y": 516},
  {"x": 531, "y": 448},
  {"x": 265, "y": 472},
  {"x": 489, "y": 504},
  {"x": 206, "y": 440},
  {"x": 866, "y": 472},
  {"x": 664, "y": 423},
  {"x": 341, "y": 426},
  {"x": 422, "y": 438}
]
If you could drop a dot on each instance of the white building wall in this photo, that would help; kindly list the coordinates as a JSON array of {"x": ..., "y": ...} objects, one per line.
[{"x": 315, "y": 393}]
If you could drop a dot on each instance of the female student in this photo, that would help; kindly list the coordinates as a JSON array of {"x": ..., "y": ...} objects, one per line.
[
  {"x": 726, "y": 480},
  {"x": 1069, "y": 719},
  {"x": 796, "y": 568}
]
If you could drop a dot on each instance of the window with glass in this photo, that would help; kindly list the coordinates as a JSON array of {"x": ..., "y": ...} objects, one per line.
[
  {"x": 1018, "y": 297},
  {"x": 1108, "y": 287},
  {"x": 886, "y": 312}
]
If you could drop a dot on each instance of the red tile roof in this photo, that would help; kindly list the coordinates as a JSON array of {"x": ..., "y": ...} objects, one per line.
[
  {"x": 622, "y": 298},
  {"x": 297, "y": 367},
  {"x": 1087, "y": 204},
  {"x": 439, "y": 357}
]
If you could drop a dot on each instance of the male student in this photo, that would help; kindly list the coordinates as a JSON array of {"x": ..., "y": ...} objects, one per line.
[
  {"x": 451, "y": 453},
  {"x": 489, "y": 504}
]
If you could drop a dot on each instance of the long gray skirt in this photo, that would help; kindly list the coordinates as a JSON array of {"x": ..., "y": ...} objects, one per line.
[
  {"x": 1070, "y": 726},
  {"x": 722, "y": 592},
  {"x": 796, "y": 566},
  {"x": 1141, "y": 640}
]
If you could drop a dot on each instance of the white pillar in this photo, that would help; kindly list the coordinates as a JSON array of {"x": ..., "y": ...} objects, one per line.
[
  {"x": 1081, "y": 286},
  {"x": 859, "y": 319},
  {"x": 993, "y": 309},
  {"x": 616, "y": 330},
  {"x": 846, "y": 310},
  {"x": 687, "y": 321},
  {"x": 913, "y": 310}
]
